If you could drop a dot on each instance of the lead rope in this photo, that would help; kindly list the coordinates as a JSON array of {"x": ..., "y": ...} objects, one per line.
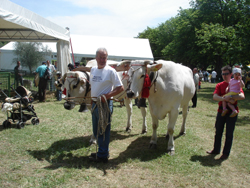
[{"x": 104, "y": 112}]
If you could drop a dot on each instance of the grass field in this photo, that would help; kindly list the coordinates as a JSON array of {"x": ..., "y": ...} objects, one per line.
[{"x": 55, "y": 152}]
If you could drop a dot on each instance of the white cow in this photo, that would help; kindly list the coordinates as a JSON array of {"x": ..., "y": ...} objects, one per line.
[
  {"x": 78, "y": 92},
  {"x": 173, "y": 88}
]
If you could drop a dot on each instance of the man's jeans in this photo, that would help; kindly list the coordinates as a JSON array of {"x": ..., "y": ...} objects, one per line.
[
  {"x": 104, "y": 139},
  {"x": 219, "y": 127}
]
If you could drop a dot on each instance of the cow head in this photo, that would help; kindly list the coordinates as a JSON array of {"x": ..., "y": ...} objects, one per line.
[
  {"x": 77, "y": 87},
  {"x": 136, "y": 73}
]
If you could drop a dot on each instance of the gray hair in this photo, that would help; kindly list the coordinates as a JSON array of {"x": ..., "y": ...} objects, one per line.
[{"x": 101, "y": 50}]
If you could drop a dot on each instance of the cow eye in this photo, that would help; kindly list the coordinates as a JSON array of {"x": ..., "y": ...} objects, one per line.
[{"x": 142, "y": 76}]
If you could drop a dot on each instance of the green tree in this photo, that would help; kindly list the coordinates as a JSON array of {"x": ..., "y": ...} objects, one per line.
[
  {"x": 30, "y": 54},
  {"x": 2, "y": 43}
]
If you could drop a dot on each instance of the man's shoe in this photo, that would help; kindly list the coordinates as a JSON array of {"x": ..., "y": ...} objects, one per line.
[
  {"x": 212, "y": 152},
  {"x": 193, "y": 106},
  {"x": 98, "y": 159},
  {"x": 94, "y": 155},
  {"x": 223, "y": 157}
]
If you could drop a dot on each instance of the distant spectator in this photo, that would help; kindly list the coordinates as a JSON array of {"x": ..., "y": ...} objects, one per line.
[
  {"x": 71, "y": 67},
  {"x": 42, "y": 82},
  {"x": 213, "y": 77},
  {"x": 18, "y": 74},
  {"x": 205, "y": 74},
  {"x": 53, "y": 70},
  {"x": 58, "y": 86}
]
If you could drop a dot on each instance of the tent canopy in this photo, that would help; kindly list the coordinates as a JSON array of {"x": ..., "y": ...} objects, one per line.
[
  {"x": 118, "y": 48},
  {"x": 20, "y": 24}
]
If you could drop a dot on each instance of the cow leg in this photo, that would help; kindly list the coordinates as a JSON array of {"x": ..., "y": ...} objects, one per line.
[
  {"x": 144, "y": 122},
  {"x": 172, "y": 120},
  {"x": 92, "y": 140},
  {"x": 155, "y": 124},
  {"x": 184, "y": 118},
  {"x": 128, "y": 104}
]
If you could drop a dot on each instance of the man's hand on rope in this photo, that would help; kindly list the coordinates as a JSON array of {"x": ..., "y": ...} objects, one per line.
[{"x": 103, "y": 98}]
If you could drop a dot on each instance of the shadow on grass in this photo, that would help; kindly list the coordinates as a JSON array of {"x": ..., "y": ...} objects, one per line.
[
  {"x": 207, "y": 160},
  {"x": 60, "y": 153}
]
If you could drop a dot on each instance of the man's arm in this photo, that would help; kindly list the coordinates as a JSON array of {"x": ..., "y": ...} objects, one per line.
[{"x": 114, "y": 92}]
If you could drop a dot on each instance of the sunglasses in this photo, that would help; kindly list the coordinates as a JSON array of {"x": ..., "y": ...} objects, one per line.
[{"x": 225, "y": 74}]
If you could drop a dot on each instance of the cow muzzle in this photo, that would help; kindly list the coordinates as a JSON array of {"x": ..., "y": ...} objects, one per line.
[
  {"x": 130, "y": 93},
  {"x": 69, "y": 105}
]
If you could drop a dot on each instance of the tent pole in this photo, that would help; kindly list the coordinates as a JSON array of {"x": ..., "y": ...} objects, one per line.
[{"x": 72, "y": 52}]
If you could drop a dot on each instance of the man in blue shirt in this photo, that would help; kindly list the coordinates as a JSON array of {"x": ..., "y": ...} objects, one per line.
[{"x": 42, "y": 82}]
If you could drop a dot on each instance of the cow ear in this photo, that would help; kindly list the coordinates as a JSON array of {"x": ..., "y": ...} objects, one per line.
[{"x": 154, "y": 67}]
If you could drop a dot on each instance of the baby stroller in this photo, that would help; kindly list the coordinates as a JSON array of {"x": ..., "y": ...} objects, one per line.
[{"x": 19, "y": 108}]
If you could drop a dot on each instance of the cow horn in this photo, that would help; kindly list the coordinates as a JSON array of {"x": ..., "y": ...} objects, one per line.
[
  {"x": 124, "y": 62},
  {"x": 123, "y": 65},
  {"x": 147, "y": 62}
]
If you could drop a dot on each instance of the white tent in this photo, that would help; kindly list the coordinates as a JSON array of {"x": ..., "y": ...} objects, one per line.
[
  {"x": 20, "y": 24},
  {"x": 86, "y": 46}
]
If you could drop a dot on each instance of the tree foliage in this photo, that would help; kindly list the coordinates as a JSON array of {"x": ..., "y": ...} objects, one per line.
[
  {"x": 211, "y": 32},
  {"x": 31, "y": 54}
]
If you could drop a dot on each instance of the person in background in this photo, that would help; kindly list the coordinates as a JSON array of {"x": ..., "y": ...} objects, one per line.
[
  {"x": 71, "y": 67},
  {"x": 42, "y": 82},
  {"x": 196, "y": 83},
  {"x": 18, "y": 74},
  {"x": 219, "y": 92},
  {"x": 58, "y": 86},
  {"x": 53, "y": 70},
  {"x": 55, "y": 65},
  {"x": 213, "y": 76}
]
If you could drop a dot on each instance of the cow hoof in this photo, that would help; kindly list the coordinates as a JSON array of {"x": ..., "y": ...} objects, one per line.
[
  {"x": 182, "y": 133},
  {"x": 152, "y": 146},
  {"x": 144, "y": 132},
  {"x": 92, "y": 143},
  {"x": 128, "y": 130},
  {"x": 171, "y": 152}
]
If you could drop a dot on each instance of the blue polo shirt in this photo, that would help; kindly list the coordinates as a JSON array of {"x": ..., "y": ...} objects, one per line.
[{"x": 41, "y": 70}]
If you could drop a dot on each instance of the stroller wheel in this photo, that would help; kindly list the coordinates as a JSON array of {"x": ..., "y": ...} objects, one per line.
[
  {"x": 20, "y": 125},
  {"x": 6, "y": 124},
  {"x": 35, "y": 121}
]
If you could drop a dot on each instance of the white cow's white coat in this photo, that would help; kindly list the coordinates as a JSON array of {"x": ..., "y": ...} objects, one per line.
[{"x": 174, "y": 88}]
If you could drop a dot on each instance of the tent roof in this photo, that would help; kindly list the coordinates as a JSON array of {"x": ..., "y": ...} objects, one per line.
[
  {"x": 20, "y": 24},
  {"x": 122, "y": 48}
]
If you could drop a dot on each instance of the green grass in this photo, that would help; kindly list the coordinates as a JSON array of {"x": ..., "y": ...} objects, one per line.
[{"x": 55, "y": 152}]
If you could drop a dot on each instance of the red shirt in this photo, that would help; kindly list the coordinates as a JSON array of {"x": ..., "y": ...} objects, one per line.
[{"x": 220, "y": 90}]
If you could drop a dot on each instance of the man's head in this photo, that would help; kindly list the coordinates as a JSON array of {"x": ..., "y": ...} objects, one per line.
[
  {"x": 48, "y": 62},
  {"x": 195, "y": 70},
  {"x": 226, "y": 73},
  {"x": 101, "y": 57},
  {"x": 71, "y": 66},
  {"x": 18, "y": 63}
]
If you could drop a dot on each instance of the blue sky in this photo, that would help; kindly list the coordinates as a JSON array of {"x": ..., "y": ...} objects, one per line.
[{"x": 113, "y": 18}]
